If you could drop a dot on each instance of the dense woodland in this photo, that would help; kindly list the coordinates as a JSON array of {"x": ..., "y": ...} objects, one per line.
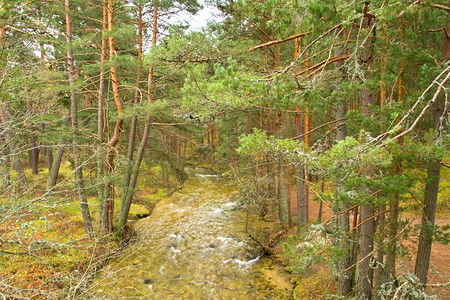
[{"x": 103, "y": 103}]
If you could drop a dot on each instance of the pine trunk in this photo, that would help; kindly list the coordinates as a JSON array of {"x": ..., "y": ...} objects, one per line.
[
  {"x": 5, "y": 160},
  {"x": 342, "y": 224},
  {"x": 49, "y": 159},
  {"x": 440, "y": 110},
  {"x": 108, "y": 207},
  {"x": 10, "y": 141},
  {"x": 365, "y": 271},
  {"x": 74, "y": 118},
  {"x": 378, "y": 277},
  {"x": 53, "y": 173},
  {"x": 131, "y": 141},
  {"x": 34, "y": 153},
  {"x": 101, "y": 121},
  {"x": 126, "y": 202}
]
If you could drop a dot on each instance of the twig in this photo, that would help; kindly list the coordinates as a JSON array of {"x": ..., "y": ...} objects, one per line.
[
  {"x": 310, "y": 45},
  {"x": 424, "y": 110},
  {"x": 323, "y": 64},
  {"x": 435, "y": 81},
  {"x": 318, "y": 127},
  {"x": 340, "y": 213},
  {"x": 280, "y": 40},
  {"x": 367, "y": 220}
]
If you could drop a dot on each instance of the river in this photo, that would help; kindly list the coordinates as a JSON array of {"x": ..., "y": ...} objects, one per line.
[{"x": 194, "y": 246}]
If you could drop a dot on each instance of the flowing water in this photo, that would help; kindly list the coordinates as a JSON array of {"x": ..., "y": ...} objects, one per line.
[{"x": 193, "y": 246}]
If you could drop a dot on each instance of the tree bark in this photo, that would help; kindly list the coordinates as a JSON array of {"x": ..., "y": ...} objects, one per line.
[
  {"x": 379, "y": 269},
  {"x": 134, "y": 119},
  {"x": 342, "y": 224},
  {"x": 5, "y": 160},
  {"x": 300, "y": 175},
  {"x": 392, "y": 235},
  {"x": 440, "y": 115},
  {"x": 300, "y": 182},
  {"x": 288, "y": 198},
  {"x": 430, "y": 198},
  {"x": 53, "y": 173},
  {"x": 4, "y": 114},
  {"x": 74, "y": 120},
  {"x": 283, "y": 192},
  {"x": 108, "y": 208},
  {"x": 306, "y": 176},
  {"x": 101, "y": 120},
  {"x": 365, "y": 272},
  {"x": 49, "y": 159},
  {"x": 428, "y": 220},
  {"x": 34, "y": 153},
  {"x": 126, "y": 202},
  {"x": 322, "y": 189}
]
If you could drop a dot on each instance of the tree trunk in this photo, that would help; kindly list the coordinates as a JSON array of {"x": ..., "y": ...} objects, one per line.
[
  {"x": 440, "y": 115},
  {"x": 365, "y": 272},
  {"x": 108, "y": 208},
  {"x": 300, "y": 175},
  {"x": 101, "y": 121},
  {"x": 53, "y": 173},
  {"x": 74, "y": 118},
  {"x": 4, "y": 114},
  {"x": 300, "y": 182},
  {"x": 288, "y": 198},
  {"x": 34, "y": 153},
  {"x": 428, "y": 219},
  {"x": 379, "y": 267},
  {"x": 49, "y": 159},
  {"x": 322, "y": 189},
  {"x": 5, "y": 161},
  {"x": 132, "y": 137},
  {"x": 342, "y": 225},
  {"x": 392, "y": 239},
  {"x": 342, "y": 242},
  {"x": 126, "y": 202},
  {"x": 278, "y": 188},
  {"x": 306, "y": 183}
]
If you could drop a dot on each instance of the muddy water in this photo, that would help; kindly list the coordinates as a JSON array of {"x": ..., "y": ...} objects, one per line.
[{"x": 193, "y": 246}]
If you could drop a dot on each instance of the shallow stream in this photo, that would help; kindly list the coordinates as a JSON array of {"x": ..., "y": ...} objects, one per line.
[{"x": 193, "y": 246}]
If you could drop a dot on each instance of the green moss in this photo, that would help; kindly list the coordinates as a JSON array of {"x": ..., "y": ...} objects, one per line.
[
  {"x": 315, "y": 286},
  {"x": 137, "y": 211}
]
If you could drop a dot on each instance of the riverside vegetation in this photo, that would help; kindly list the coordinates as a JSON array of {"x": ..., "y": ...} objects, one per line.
[{"x": 330, "y": 117}]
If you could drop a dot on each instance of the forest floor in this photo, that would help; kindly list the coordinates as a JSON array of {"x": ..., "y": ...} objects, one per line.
[
  {"x": 440, "y": 253},
  {"x": 44, "y": 250}
]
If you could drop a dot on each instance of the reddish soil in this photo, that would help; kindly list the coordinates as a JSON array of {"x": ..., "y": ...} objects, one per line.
[
  {"x": 439, "y": 272},
  {"x": 440, "y": 254},
  {"x": 313, "y": 207}
]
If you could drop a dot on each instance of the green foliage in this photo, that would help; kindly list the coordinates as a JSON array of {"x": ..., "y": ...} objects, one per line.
[
  {"x": 352, "y": 158},
  {"x": 305, "y": 251},
  {"x": 258, "y": 143}
]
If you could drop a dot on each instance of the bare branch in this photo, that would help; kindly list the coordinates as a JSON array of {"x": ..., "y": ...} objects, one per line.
[
  {"x": 323, "y": 64},
  {"x": 424, "y": 110},
  {"x": 309, "y": 46},
  {"x": 280, "y": 40}
]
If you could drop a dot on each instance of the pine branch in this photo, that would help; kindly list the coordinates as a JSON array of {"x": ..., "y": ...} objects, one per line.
[
  {"x": 280, "y": 40},
  {"x": 323, "y": 64}
]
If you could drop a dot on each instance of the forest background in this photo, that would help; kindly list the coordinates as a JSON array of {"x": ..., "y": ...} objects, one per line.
[{"x": 103, "y": 103}]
